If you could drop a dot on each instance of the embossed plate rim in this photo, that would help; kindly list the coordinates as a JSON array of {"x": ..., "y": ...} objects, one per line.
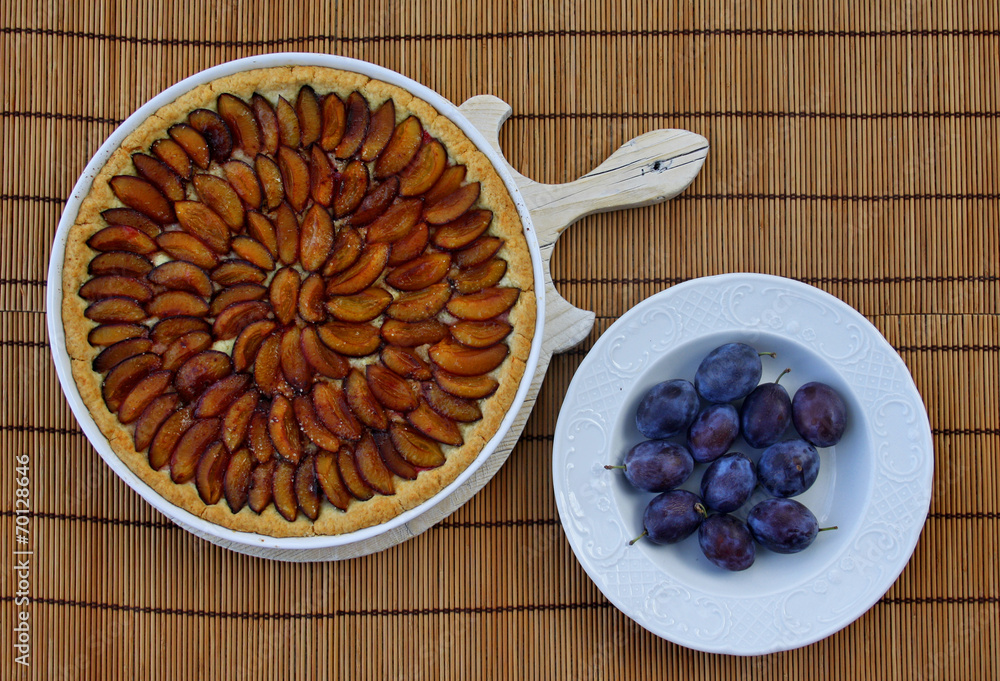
[{"x": 625, "y": 577}]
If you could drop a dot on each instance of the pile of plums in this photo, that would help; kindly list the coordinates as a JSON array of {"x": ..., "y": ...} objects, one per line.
[{"x": 709, "y": 415}]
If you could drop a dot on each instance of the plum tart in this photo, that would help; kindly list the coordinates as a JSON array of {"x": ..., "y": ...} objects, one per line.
[{"x": 298, "y": 301}]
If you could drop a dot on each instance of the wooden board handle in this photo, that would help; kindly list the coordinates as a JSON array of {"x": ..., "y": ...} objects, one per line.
[{"x": 645, "y": 170}]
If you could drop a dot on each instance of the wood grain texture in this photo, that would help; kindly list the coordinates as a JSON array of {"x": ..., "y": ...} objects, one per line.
[{"x": 854, "y": 147}]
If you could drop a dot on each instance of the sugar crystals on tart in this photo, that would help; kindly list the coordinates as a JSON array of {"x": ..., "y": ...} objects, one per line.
[{"x": 300, "y": 303}]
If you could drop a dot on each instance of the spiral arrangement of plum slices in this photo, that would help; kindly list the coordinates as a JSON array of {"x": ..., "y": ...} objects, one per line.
[{"x": 298, "y": 301}]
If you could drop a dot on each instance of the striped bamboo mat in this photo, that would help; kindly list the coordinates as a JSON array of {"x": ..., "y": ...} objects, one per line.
[{"x": 852, "y": 148}]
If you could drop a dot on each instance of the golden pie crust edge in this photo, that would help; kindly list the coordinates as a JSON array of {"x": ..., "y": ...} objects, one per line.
[{"x": 286, "y": 81}]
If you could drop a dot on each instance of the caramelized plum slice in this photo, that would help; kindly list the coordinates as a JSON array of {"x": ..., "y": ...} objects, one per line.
[
  {"x": 241, "y": 293},
  {"x": 231, "y": 321},
  {"x": 410, "y": 335},
  {"x": 261, "y": 229},
  {"x": 236, "y": 484},
  {"x": 347, "y": 246},
  {"x": 467, "y": 387},
  {"x": 360, "y": 307},
  {"x": 391, "y": 458},
  {"x": 353, "y": 187},
  {"x": 181, "y": 275},
  {"x": 236, "y": 421},
  {"x": 311, "y": 298},
  {"x": 380, "y": 128},
  {"x": 353, "y": 340},
  {"x": 262, "y": 486},
  {"x": 451, "y": 179},
  {"x": 215, "y": 132},
  {"x": 173, "y": 154},
  {"x": 405, "y": 362},
  {"x": 218, "y": 396},
  {"x": 462, "y": 231},
  {"x": 116, "y": 286},
  {"x": 211, "y": 472},
  {"x": 410, "y": 246},
  {"x": 334, "y": 412},
  {"x": 287, "y": 234},
  {"x": 311, "y": 425},
  {"x": 416, "y": 448},
  {"x": 183, "y": 246},
  {"x": 390, "y": 389},
  {"x": 307, "y": 108},
  {"x": 224, "y": 201},
  {"x": 321, "y": 357},
  {"x": 284, "y": 294},
  {"x": 271, "y": 183},
  {"x": 120, "y": 351},
  {"x": 452, "y": 206},
  {"x": 434, "y": 425},
  {"x": 124, "y": 376},
  {"x": 284, "y": 429},
  {"x": 193, "y": 142},
  {"x": 293, "y": 364},
  {"x": 322, "y": 176},
  {"x": 201, "y": 371},
  {"x": 417, "y": 306},
  {"x": 396, "y": 222},
  {"x": 476, "y": 279},
  {"x": 143, "y": 196},
  {"x": 244, "y": 182},
  {"x": 375, "y": 203},
  {"x": 166, "y": 331},
  {"x": 484, "y": 304},
  {"x": 481, "y": 334},
  {"x": 371, "y": 468},
  {"x": 159, "y": 173},
  {"x": 115, "y": 310},
  {"x": 241, "y": 120},
  {"x": 185, "y": 347},
  {"x": 289, "y": 130},
  {"x": 285, "y": 499},
  {"x": 446, "y": 404},
  {"x": 363, "y": 402},
  {"x": 249, "y": 342},
  {"x": 233, "y": 272},
  {"x": 295, "y": 177},
  {"x": 198, "y": 219},
  {"x": 356, "y": 126},
  {"x": 305, "y": 489},
  {"x": 362, "y": 273},
  {"x": 121, "y": 263},
  {"x": 425, "y": 170},
  {"x": 142, "y": 394},
  {"x": 351, "y": 476},
  {"x": 109, "y": 334},
  {"x": 460, "y": 360},
  {"x": 401, "y": 149},
  {"x": 315, "y": 238},
  {"x": 328, "y": 475},
  {"x": 167, "y": 437},
  {"x": 177, "y": 304},
  {"x": 131, "y": 218},
  {"x": 154, "y": 416},
  {"x": 268, "y": 122},
  {"x": 122, "y": 238},
  {"x": 192, "y": 444},
  {"x": 334, "y": 122},
  {"x": 253, "y": 252},
  {"x": 420, "y": 272}
]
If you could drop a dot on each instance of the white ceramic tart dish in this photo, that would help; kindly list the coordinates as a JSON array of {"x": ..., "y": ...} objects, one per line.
[
  {"x": 442, "y": 286},
  {"x": 526, "y": 220}
]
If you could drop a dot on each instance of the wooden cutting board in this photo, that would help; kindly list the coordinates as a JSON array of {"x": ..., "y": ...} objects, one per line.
[{"x": 649, "y": 169}]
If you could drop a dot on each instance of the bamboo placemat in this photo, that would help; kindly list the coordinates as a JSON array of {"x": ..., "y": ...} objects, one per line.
[{"x": 853, "y": 148}]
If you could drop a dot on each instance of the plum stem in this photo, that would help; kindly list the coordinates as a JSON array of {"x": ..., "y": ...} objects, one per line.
[
  {"x": 611, "y": 468},
  {"x": 701, "y": 510},
  {"x": 832, "y": 527},
  {"x": 772, "y": 355},
  {"x": 644, "y": 533},
  {"x": 782, "y": 374}
]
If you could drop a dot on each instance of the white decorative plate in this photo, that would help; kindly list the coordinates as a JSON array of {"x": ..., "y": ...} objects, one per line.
[{"x": 875, "y": 484}]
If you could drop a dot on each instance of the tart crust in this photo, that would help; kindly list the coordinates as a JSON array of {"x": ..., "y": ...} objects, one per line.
[{"x": 286, "y": 81}]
